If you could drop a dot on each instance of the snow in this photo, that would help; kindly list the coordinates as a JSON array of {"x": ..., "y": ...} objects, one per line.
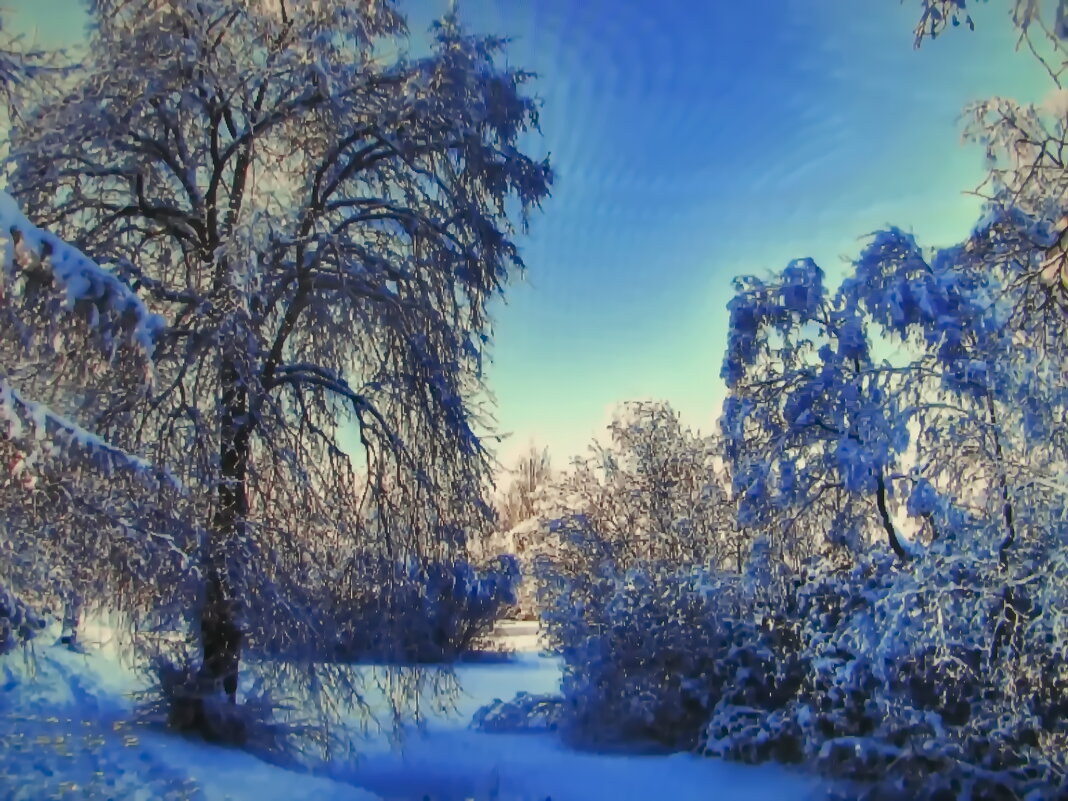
[
  {"x": 64, "y": 732},
  {"x": 227, "y": 775},
  {"x": 62, "y": 430},
  {"x": 447, "y": 761},
  {"x": 63, "y": 725},
  {"x": 451, "y": 764},
  {"x": 75, "y": 273}
]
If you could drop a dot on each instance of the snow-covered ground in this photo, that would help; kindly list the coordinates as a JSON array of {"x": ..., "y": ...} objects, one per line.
[{"x": 64, "y": 733}]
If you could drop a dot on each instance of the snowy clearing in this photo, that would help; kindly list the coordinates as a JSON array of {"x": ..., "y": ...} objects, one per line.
[{"x": 65, "y": 734}]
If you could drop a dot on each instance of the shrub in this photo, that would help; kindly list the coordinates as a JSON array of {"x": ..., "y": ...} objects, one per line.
[
  {"x": 180, "y": 698},
  {"x": 650, "y": 650},
  {"x": 18, "y": 621},
  {"x": 525, "y": 712},
  {"x": 910, "y": 682},
  {"x": 425, "y": 612},
  {"x": 401, "y": 612},
  {"x": 905, "y": 677}
]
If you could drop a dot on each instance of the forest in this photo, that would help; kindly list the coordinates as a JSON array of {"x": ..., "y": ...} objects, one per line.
[{"x": 251, "y": 254}]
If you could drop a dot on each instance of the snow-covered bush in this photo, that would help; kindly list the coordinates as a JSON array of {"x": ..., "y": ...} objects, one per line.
[
  {"x": 647, "y": 654},
  {"x": 18, "y": 622},
  {"x": 525, "y": 712},
  {"x": 897, "y": 675},
  {"x": 631, "y": 590},
  {"x": 909, "y": 683},
  {"x": 650, "y": 649},
  {"x": 415, "y": 611},
  {"x": 429, "y": 612}
]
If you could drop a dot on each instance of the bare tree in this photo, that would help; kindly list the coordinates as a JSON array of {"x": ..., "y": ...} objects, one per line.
[
  {"x": 655, "y": 493},
  {"x": 532, "y": 472}
]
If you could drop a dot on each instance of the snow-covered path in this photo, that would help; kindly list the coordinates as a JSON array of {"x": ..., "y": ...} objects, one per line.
[
  {"x": 448, "y": 761},
  {"x": 454, "y": 765},
  {"x": 62, "y": 735}
]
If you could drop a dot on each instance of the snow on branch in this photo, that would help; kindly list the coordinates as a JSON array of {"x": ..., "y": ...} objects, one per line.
[
  {"x": 115, "y": 309},
  {"x": 110, "y": 307},
  {"x": 31, "y": 423}
]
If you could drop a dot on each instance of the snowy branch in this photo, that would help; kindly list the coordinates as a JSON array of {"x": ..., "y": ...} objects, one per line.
[
  {"x": 29, "y": 423},
  {"x": 118, "y": 309}
]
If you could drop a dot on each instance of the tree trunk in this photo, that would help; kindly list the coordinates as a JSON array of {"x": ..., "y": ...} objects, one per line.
[
  {"x": 220, "y": 637},
  {"x": 220, "y": 630},
  {"x": 72, "y": 613},
  {"x": 888, "y": 524},
  {"x": 1007, "y": 619}
]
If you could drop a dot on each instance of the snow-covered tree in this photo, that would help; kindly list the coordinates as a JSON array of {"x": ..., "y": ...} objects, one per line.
[
  {"x": 654, "y": 492},
  {"x": 946, "y": 653},
  {"x": 22, "y": 68},
  {"x": 82, "y": 515},
  {"x": 531, "y": 474},
  {"x": 989, "y": 398},
  {"x": 813, "y": 428},
  {"x": 1025, "y": 187},
  {"x": 320, "y": 226}
]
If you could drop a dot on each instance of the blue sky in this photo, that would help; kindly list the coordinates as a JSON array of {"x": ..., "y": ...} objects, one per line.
[
  {"x": 695, "y": 140},
  {"x": 698, "y": 140}
]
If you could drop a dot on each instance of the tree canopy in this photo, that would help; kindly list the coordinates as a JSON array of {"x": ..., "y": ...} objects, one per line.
[{"x": 318, "y": 229}]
